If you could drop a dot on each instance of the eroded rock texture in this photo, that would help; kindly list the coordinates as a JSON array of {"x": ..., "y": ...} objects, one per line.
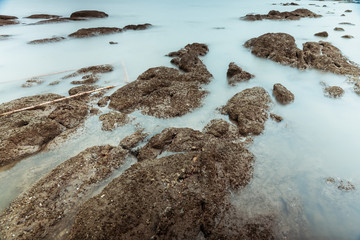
[{"x": 276, "y": 15}]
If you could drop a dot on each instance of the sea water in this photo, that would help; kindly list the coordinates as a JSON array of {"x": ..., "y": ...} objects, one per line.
[{"x": 319, "y": 137}]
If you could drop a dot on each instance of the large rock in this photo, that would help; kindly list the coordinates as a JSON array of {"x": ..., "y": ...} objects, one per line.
[
  {"x": 48, "y": 208},
  {"x": 276, "y": 15},
  {"x": 282, "y": 94},
  {"x": 281, "y": 48},
  {"x": 236, "y": 74},
  {"x": 167, "y": 92},
  {"x": 28, "y": 132},
  {"x": 182, "y": 196},
  {"x": 249, "y": 109},
  {"x": 89, "y": 14}
]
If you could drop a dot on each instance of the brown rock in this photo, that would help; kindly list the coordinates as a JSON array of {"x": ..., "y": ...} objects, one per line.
[
  {"x": 7, "y": 17},
  {"x": 137, "y": 27},
  {"x": 236, "y": 74},
  {"x": 113, "y": 43},
  {"x": 166, "y": 92},
  {"x": 282, "y": 94},
  {"x": 281, "y": 48},
  {"x": 91, "y": 71},
  {"x": 92, "y": 32},
  {"x": 81, "y": 89},
  {"x": 276, "y": 15},
  {"x": 4, "y": 37},
  {"x": 112, "y": 120},
  {"x": 103, "y": 101},
  {"x": 338, "y": 29},
  {"x": 321, "y": 34},
  {"x": 334, "y": 91},
  {"x": 290, "y": 4},
  {"x": 8, "y": 20},
  {"x": 56, "y": 20},
  {"x": 276, "y": 118},
  {"x": 348, "y": 11},
  {"x": 49, "y": 207},
  {"x": 28, "y": 132},
  {"x": 47, "y": 40},
  {"x": 131, "y": 141},
  {"x": 341, "y": 184},
  {"x": 347, "y": 36},
  {"x": 89, "y": 14},
  {"x": 249, "y": 110},
  {"x": 42, "y": 16},
  {"x": 346, "y": 23},
  {"x": 87, "y": 79}
]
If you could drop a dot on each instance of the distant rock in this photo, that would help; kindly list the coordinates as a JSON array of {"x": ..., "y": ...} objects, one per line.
[
  {"x": 334, "y": 91},
  {"x": 282, "y": 94},
  {"x": 281, "y": 48},
  {"x": 341, "y": 184},
  {"x": 347, "y": 23},
  {"x": 338, "y": 29},
  {"x": 348, "y": 11},
  {"x": 91, "y": 32},
  {"x": 347, "y": 36},
  {"x": 91, "y": 71},
  {"x": 236, "y": 74},
  {"x": 276, "y": 15},
  {"x": 112, "y": 43},
  {"x": 42, "y": 16},
  {"x": 8, "y": 20},
  {"x": 137, "y": 27},
  {"x": 321, "y": 34},
  {"x": 7, "y": 17},
  {"x": 87, "y": 79},
  {"x": 89, "y": 14},
  {"x": 290, "y": 4},
  {"x": 47, "y": 40},
  {"x": 4, "y": 37}
]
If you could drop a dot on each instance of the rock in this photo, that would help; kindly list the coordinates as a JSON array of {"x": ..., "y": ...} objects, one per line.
[
  {"x": 91, "y": 32},
  {"x": 236, "y": 74},
  {"x": 341, "y": 184},
  {"x": 92, "y": 70},
  {"x": 81, "y": 89},
  {"x": 112, "y": 120},
  {"x": 276, "y": 15},
  {"x": 56, "y": 20},
  {"x": 276, "y": 118},
  {"x": 347, "y": 23},
  {"x": 32, "y": 82},
  {"x": 249, "y": 110},
  {"x": 112, "y": 43},
  {"x": 4, "y": 37},
  {"x": 54, "y": 83},
  {"x": 281, "y": 48},
  {"x": 338, "y": 29},
  {"x": 348, "y": 11},
  {"x": 290, "y": 4},
  {"x": 88, "y": 14},
  {"x": 181, "y": 196},
  {"x": 47, "y": 40},
  {"x": 167, "y": 92},
  {"x": 334, "y": 91},
  {"x": 131, "y": 141},
  {"x": 7, "y": 17},
  {"x": 347, "y": 36},
  {"x": 28, "y": 132},
  {"x": 8, "y": 20},
  {"x": 87, "y": 79},
  {"x": 103, "y": 101},
  {"x": 282, "y": 94},
  {"x": 42, "y": 16},
  {"x": 321, "y": 34},
  {"x": 48, "y": 208},
  {"x": 137, "y": 27}
]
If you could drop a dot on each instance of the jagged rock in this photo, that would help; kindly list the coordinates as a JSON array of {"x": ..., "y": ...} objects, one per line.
[
  {"x": 236, "y": 74},
  {"x": 87, "y": 79},
  {"x": 249, "y": 110},
  {"x": 89, "y": 14},
  {"x": 334, "y": 91},
  {"x": 276, "y": 15},
  {"x": 338, "y": 29},
  {"x": 28, "y": 132},
  {"x": 47, "y": 40},
  {"x": 48, "y": 208},
  {"x": 321, "y": 34},
  {"x": 166, "y": 92},
  {"x": 282, "y": 94},
  {"x": 281, "y": 48},
  {"x": 112, "y": 120},
  {"x": 91, "y": 32}
]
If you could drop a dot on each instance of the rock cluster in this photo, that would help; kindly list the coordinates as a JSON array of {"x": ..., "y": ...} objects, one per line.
[{"x": 276, "y": 15}]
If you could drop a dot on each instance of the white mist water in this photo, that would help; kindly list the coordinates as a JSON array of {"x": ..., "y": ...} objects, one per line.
[{"x": 318, "y": 138}]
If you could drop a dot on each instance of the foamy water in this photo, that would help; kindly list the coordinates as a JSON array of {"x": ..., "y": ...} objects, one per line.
[{"x": 317, "y": 139}]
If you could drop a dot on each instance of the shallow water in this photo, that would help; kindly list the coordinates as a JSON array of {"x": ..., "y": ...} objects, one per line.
[{"x": 318, "y": 138}]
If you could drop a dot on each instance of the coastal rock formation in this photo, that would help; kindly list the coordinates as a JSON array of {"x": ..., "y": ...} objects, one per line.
[
  {"x": 167, "y": 92},
  {"x": 181, "y": 196},
  {"x": 8, "y": 20},
  {"x": 92, "y": 70},
  {"x": 281, "y": 48},
  {"x": 28, "y": 132},
  {"x": 236, "y": 74},
  {"x": 112, "y": 120},
  {"x": 131, "y": 141},
  {"x": 322, "y": 34},
  {"x": 91, "y": 32},
  {"x": 276, "y": 15},
  {"x": 137, "y": 27},
  {"x": 47, "y": 40},
  {"x": 48, "y": 208},
  {"x": 249, "y": 109},
  {"x": 282, "y": 94},
  {"x": 334, "y": 91},
  {"x": 42, "y": 16},
  {"x": 89, "y": 14},
  {"x": 87, "y": 79}
]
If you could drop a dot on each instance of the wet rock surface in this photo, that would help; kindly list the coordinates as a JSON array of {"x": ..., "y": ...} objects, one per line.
[
  {"x": 87, "y": 79},
  {"x": 167, "y": 92},
  {"x": 89, "y": 14},
  {"x": 281, "y": 48},
  {"x": 322, "y": 34},
  {"x": 28, "y": 132},
  {"x": 131, "y": 141},
  {"x": 276, "y": 15},
  {"x": 181, "y": 196},
  {"x": 334, "y": 91},
  {"x": 48, "y": 208},
  {"x": 112, "y": 120},
  {"x": 282, "y": 94},
  {"x": 236, "y": 74},
  {"x": 47, "y": 40},
  {"x": 249, "y": 109}
]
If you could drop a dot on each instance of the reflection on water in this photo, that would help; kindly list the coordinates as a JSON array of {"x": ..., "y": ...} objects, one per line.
[{"x": 317, "y": 139}]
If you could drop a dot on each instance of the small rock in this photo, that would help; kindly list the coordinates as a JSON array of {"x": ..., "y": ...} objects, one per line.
[
  {"x": 42, "y": 16},
  {"x": 112, "y": 43},
  {"x": 132, "y": 140},
  {"x": 275, "y": 117},
  {"x": 87, "y": 79},
  {"x": 103, "y": 101},
  {"x": 321, "y": 34},
  {"x": 92, "y": 32},
  {"x": 282, "y": 94},
  {"x": 112, "y": 120},
  {"x": 276, "y": 15},
  {"x": 341, "y": 184},
  {"x": 347, "y": 36},
  {"x": 89, "y": 14},
  {"x": 137, "y": 27},
  {"x": 47, "y": 40},
  {"x": 338, "y": 29},
  {"x": 54, "y": 83},
  {"x": 334, "y": 91},
  {"x": 236, "y": 74},
  {"x": 347, "y": 23},
  {"x": 348, "y": 11}
]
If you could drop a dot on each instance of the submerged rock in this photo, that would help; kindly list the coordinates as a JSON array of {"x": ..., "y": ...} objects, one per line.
[
  {"x": 8, "y": 20},
  {"x": 167, "y": 92},
  {"x": 182, "y": 196},
  {"x": 321, "y": 34},
  {"x": 282, "y": 94},
  {"x": 236, "y": 74},
  {"x": 341, "y": 184},
  {"x": 281, "y": 48},
  {"x": 47, "y": 40},
  {"x": 91, "y": 32},
  {"x": 334, "y": 91},
  {"x": 42, "y": 16},
  {"x": 249, "y": 109},
  {"x": 89, "y": 14},
  {"x": 112, "y": 120},
  {"x": 290, "y": 4},
  {"x": 48, "y": 208},
  {"x": 28, "y": 132},
  {"x": 276, "y": 117},
  {"x": 4, "y": 37},
  {"x": 31, "y": 82},
  {"x": 92, "y": 70},
  {"x": 276, "y": 15}
]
